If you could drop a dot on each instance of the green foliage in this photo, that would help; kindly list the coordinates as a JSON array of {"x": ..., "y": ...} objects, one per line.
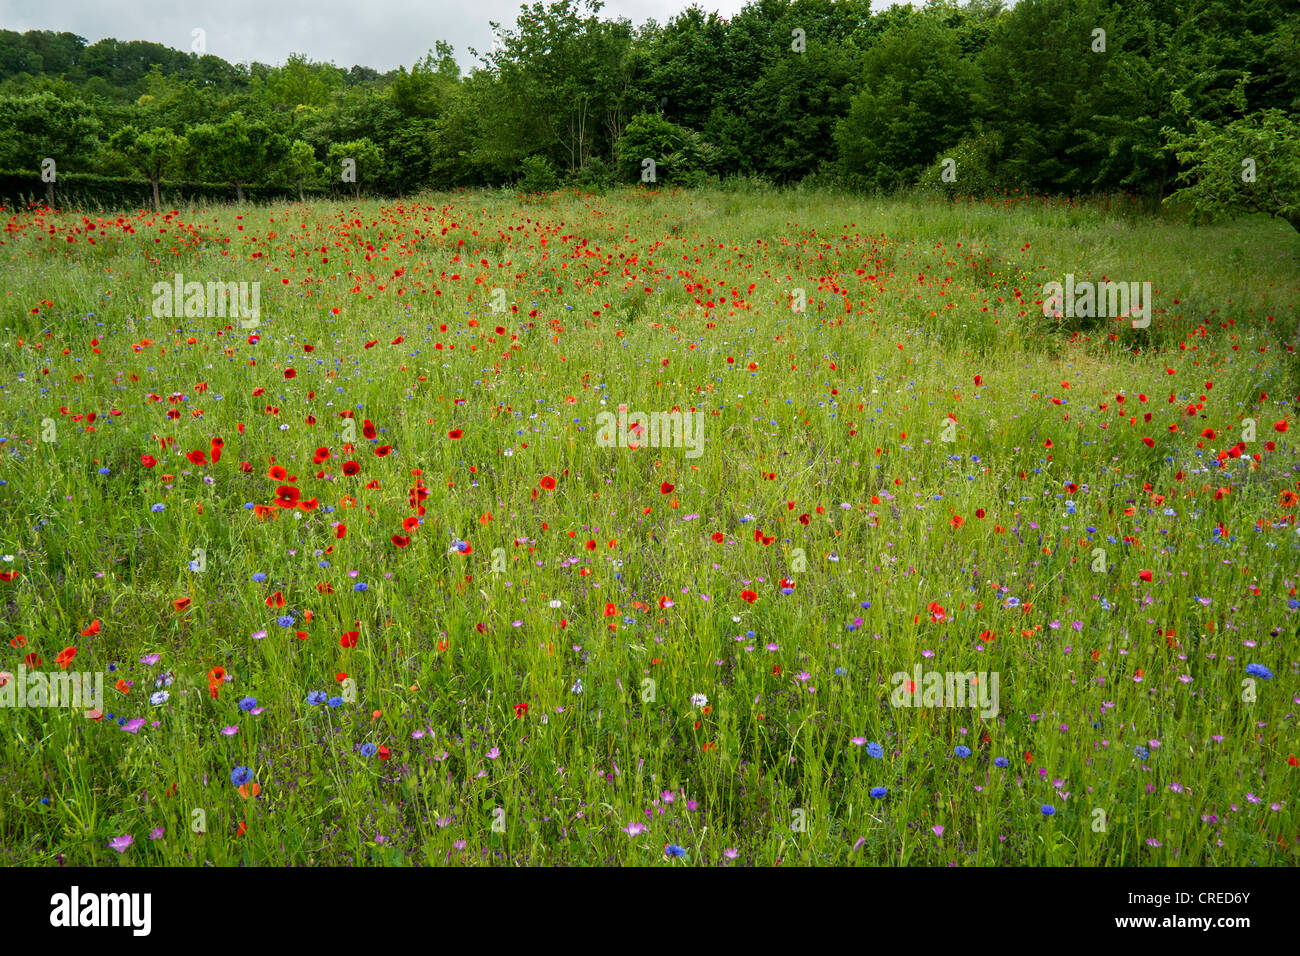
[
  {"x": 1251, "y": 164},
  {"x": 976, "y": 170},
  {"x": 40, "y": 125},
  {"x": 916, "y": 91},
  {"x": 537, "y": 175},
  {"x": 360, "y": 159},
  {"x": 680, "y": 156},
  {"x": 236, "y": 151},
  {"x": 1079, "y": 94}
]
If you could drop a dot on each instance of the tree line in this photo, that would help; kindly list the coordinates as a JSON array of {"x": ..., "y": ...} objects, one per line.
[{"x": 1047, "y": 97}]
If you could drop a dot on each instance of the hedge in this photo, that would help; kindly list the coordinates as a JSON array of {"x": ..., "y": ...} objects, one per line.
[{"x": 88, "y": 190}]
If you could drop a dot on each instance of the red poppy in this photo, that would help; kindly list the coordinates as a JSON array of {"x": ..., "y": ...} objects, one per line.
[
  {"x": 181, "y": 603},
  {"x": 197, "y": 457},
  {"x": 401, "y": 540},
  {"x": 286, "y": 496},
  {"x": 454, "y": 433},
  {"x": 148, "y": 460},
  {"x": 289, "y": 373},
  {"x": 1144, "y": 575},
  {"x": 214, "y": 448},
  {"x": 383, "y": 450},
  {"x": 749, "y": 596},
  {"x": 521, "y": 710},
  {"x": 65, "y": 657},
  {"x": 341, "y": 530},
  {"x": 92, "y": 630},
  {"x": 547, "y": 483},
  {"x": 351, "y": 468},
  {"x": 277, "y": 473},
  {"x": 610, "y": 610},
  {"x": 349, "y": 639},
  {"x": 719, "y": 537},
  {"x": 368, "y": 429},
  {"x": 665, "y": 488},
  {"x": 275, "y": 600},
  {"x": 383, "y": 752},
  {"x": 1280, "y": 427}
]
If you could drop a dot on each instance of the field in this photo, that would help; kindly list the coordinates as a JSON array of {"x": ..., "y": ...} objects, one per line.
[{"x": 366, "y": 585}]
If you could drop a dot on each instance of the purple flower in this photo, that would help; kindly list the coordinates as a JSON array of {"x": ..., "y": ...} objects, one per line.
[{"x": 122, "y": 843}]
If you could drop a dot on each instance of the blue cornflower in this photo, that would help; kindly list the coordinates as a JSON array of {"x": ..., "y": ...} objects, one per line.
[
  {"x": 259, "y": 576},
  {"x": 360, "y": 586},
  {"x": 865, "y": 605},
  {"x": 159, "y": 697},
  {"x": 104, "y": 471},
  {"x": 335, "y": 701},
  {"x": 961, "y": 751},
  {"x": 840, "y": 672},
  {"x": 316, "y": 698},
  {"x": 1048, "y": 809},
  {"x": 285, "y": 621},
  {"x": 1259, "y": 670},
  {"x": 878, "y": 793},
  {"x": 248, "y": 703},
  {"x": 673, "y": 850},
  {"x": 1141, "y": 752},
  {"x": 368, "y": 750},
  {"x": 240, "y": 776},
  {"x": 875, "y": 750},
  {"x": 158, "y": 507},
  {"x": 1001, "y": 762}
]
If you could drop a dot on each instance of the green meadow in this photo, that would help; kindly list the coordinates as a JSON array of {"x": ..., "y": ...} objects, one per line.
[{"x": 416, "y": 613}]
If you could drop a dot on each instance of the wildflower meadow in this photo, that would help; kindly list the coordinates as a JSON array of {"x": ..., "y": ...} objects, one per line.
[{"x": 714, "y": 527}]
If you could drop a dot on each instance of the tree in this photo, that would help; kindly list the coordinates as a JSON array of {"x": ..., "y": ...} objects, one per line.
[
  {"x": 916, "y": 94},
  {"x": 302, "y": 167},
  {"x": 680, "y": 155},
  {"x": 358, "y": 161},
  {"x": 40, "y": 126},
  {"x": 1252, "y": 164},
  {"x": 235, "y": 151},
  {"x": 152, "y": 153}
]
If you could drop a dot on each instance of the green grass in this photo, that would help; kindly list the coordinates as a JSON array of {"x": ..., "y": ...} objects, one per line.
[{"x": 832, "y": 446}]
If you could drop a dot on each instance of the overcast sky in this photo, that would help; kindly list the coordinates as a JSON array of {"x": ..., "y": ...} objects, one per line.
[{"x": 382, "y": 34}]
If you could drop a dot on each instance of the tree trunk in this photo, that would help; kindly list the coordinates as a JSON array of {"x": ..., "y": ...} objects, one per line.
[
  {"x": 239, "y": 193},
  {"x": 157, "y": 202},
  {"x": 301, "y": 197},
  {"x": 49, "y": 194}
]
